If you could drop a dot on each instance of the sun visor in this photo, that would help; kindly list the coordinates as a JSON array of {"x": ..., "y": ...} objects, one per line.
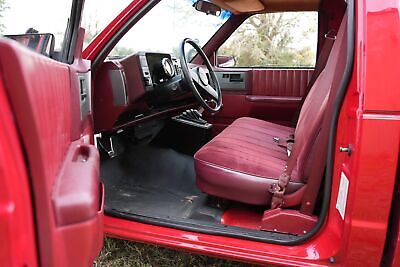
[
  {"x": 262, "y": 6},
  {"x": 290, "y": 5},
  {"x": 240, "y": 6}
]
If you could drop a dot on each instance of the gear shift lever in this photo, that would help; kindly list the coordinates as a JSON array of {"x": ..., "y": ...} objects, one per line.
[{"x": 193, "y": 115}]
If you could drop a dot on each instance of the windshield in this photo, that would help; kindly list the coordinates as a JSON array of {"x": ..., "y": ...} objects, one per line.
[
  {"x": 162, "y": 28},
  {"x": 97, "y": 14}
]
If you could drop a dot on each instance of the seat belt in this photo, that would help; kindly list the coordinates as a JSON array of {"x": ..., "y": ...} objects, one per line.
[
  {"x": 323, "y": 56},
  {"x": 321, "y": 136},
  {"x": 316, "y": 174},
  {"x": 278, "y": 189},
  {"x": 286, "y": 144}
]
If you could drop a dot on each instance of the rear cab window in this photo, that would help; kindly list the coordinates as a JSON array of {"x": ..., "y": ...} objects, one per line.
[{"x": 272, "y": 40}]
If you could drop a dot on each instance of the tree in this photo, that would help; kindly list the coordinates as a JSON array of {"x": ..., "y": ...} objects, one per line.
[
  {"x": 269, "y": 40},
  {"x": 91, "y": 26},
  {"x": 3, "y": 7}
]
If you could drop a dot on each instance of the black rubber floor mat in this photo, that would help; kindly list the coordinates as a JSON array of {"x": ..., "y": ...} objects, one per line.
[{"x": 154, "y": 182}]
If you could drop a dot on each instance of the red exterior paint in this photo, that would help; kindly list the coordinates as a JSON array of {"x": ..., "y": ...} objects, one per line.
[
  {"x": 17, "y": 230},
  {"x": 315, "y": 253},
  {"x": 392, "y": 256},
  {"x": 242, "y": 217},
  {"x": 374, "y": 127},
  {"x": 369, "y": 120}
]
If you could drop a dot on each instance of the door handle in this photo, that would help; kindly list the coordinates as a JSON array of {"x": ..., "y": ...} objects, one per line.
[
  {"x": 76, "y": 194},
  {"x": 233, "y": 77}
]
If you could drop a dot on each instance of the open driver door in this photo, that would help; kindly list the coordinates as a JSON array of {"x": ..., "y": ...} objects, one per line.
[{"x": 50, "y": 104}]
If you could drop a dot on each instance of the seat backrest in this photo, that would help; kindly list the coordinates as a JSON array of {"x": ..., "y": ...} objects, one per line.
[
  {"x": 319, "y": 67},
  {"x": 314, "y": 107}
]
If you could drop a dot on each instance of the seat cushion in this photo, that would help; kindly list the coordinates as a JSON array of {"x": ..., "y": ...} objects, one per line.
[{"x": 243, "y": 161}]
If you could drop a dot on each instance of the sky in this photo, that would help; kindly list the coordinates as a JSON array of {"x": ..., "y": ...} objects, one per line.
[
  {"x": 160, "y": 30},
  {"x": 51, "y": 16},
  {"x": 44, "y": 15},
  {"x": 163, "y": 27}
]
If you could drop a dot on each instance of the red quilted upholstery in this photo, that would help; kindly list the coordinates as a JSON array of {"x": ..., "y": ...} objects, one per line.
[
  {"x": 246, "y": 145},
  {"x": 43, "y": 97},
  {"x": 285, "y": 82},
  {"x": 250, "y": 143}
]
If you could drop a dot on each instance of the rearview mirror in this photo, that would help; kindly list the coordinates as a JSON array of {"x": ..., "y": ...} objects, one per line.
[
  {"x": 42, "y": 43},
  {"x": 207, "y": 7}
]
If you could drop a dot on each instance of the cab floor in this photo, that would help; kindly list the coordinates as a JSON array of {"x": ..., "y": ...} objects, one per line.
[{"x": 155, "y": 182}]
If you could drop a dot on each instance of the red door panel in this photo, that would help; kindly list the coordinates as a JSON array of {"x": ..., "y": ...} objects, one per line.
[
  {"x": 279, "y": 82},
  {"x": 269, "y": 94},
  {"x": 63, "y": 165}
]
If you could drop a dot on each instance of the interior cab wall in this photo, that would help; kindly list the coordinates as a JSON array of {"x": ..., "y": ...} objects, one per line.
[{"x": 273, "y": 95}]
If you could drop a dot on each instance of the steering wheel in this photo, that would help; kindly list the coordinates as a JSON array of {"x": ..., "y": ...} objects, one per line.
[{"x": 202, "y": 81}]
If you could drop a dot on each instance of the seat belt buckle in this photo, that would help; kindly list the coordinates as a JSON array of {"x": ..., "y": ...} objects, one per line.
[
  {"x": 276, "y": 190},
  {"x": 287, "y": 144},
  {"x": 277, "y": 196},
  {"x": 289, "y": 140},
  {"x": 276, "y": 139}
]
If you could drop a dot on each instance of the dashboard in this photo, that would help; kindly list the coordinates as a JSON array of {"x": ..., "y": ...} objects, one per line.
[{"x": 137, "y": 87}]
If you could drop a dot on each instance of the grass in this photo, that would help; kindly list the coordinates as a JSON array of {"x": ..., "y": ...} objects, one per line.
[{"x": 123, "y": 253}]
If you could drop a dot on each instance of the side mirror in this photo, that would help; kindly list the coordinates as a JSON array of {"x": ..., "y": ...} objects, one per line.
[
  {"x": 207, "y": 7},
  {"x": 42, "y": 43},
  {"x": 226, "y": 61}
]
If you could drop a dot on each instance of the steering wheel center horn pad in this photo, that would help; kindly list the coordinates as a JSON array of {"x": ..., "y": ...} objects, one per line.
[{"x": 202, "y": 80}]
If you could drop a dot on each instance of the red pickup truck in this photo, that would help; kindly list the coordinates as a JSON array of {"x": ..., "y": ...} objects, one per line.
[{"x": 263, "y": 131}]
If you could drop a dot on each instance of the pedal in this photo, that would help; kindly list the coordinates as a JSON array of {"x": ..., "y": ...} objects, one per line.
[{"x": 106, "y": 145}]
